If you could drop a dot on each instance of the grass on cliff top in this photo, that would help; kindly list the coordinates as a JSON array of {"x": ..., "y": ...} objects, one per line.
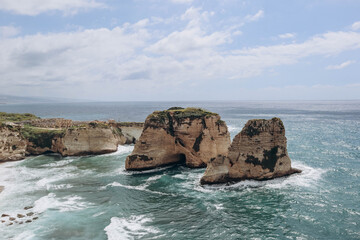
[
  {"x": 41, "y": 137},
  {"x": 181, "y": 113},
  {"x": 16, "y": 117}
]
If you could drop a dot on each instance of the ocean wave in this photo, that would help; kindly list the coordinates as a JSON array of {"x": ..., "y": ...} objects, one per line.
[
  {"x": 142, "y": 187},
  {"x": 129, "y": 228},
  {"x": 122, "y": 149},
  {"x": 66, "y": 204},
  {"x": 27, "y": 235}
]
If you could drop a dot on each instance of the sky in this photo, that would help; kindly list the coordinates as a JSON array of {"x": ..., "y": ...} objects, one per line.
[{"x": 157, "y": 50}]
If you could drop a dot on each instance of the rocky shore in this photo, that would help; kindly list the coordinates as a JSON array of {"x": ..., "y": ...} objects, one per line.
[
  {"x": 22, "y": 135},
  {"x": 190, "y": 136}
]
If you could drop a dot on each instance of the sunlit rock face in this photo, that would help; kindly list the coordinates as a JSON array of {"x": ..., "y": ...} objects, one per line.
[
  {"x": 258, "y": 152},
  {"x": 191, "y": 136}
]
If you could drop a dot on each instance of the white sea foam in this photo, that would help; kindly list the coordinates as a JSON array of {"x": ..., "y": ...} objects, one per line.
[
  {"x": 308, "y": 178},
  {"x": 66, "y": 204},
  {"x": 27, "y": 235},
  {"x": 59, "y": 163},
  {"x": 122, "y": 149},
  {"x": 142, "y": 187},
  {"x": 153, "y": 178},
  {"x": 129, "y": 228}
]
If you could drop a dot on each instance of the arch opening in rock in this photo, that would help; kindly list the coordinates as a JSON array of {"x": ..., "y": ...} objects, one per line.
[{"x": 182, "y": 159}]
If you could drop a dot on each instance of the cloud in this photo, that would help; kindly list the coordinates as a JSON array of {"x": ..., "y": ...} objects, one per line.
[
  {"x": 35, "y": 7},
  {"x": 287, "y": 35},
  {"x": 182, "y": 1},
  {"x": 355, "y": 26},
  {"x": 255, "y": 17},
  {"x": 340, "y": 66},
  {"x": 8, "y": 31},
  {"x": 116, "y": 61}
]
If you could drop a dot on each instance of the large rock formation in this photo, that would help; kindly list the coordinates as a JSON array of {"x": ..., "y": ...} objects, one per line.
[
  {"x": 258, "y": 152},
  {"x": 35, "y": 136},
  {"x": 192, "y": 136}
]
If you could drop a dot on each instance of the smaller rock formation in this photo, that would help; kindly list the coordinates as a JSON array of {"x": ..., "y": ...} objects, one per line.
[
  {"x": 191, "y": 136},
  {"x": 258, "y": 152}
]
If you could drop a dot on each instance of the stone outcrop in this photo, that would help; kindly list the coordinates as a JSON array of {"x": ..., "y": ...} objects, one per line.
[
  {"x": 12, "y": 144},
  {"x": 258, "y": 152},
  {"x": 191, "y": 136},
  {"x": 33, "y": 136}
]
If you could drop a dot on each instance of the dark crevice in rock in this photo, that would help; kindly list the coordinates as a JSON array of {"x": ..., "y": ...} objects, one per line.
[
  {"x": 197, "y": 143},
  {"x": 140, "y": 157}
]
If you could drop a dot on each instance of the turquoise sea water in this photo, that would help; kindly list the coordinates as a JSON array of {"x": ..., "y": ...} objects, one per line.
[{"x": 93, "y": 197}]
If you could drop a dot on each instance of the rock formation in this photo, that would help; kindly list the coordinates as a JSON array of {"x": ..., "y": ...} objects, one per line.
[
  {"x": 192, "y": 136},
  {"x": 35, "y": 136},
  {"x": 12, "y": 144},
  {"x": 258, "y": 152}
]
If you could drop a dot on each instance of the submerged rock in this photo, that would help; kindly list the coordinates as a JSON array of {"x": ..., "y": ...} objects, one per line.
[
  {"x": 258, "y": 152},
  {"x": 191, "y": 136}
]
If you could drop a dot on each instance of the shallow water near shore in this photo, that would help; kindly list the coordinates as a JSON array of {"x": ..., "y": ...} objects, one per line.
[{"x": 93, "y": 197}]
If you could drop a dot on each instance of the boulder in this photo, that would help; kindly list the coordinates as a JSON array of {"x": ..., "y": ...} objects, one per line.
[
  {"x": 191, "y": 136},
  {"x": 258, "y": 152}
]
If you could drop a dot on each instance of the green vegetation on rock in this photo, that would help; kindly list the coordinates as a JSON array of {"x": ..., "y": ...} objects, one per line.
[
  {"x": 16, "y": 117},
  {"x": 41, "y": 137},
  {"x": 179, "y": 113}
]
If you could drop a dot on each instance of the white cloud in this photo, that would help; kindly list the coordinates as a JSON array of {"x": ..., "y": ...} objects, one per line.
[
  {"x": 134, "y": 56},
  {"x": 355, "y": 26},
  {"x": 287, "y": 35},
  {"x": 340, "y": 66},
  {"x": 255, "y": 17},
  {"x": 35, "y": 7},
  {"x": 182, "y": 1},
  {"x": 8, "y": 31}
]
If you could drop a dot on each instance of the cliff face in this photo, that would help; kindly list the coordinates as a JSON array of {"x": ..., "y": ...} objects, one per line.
[
  {"x": 12, "y": 144},
  {"x": 192, "y": 136},
  {"x": 33, "y": 136},
  {"x": 81, "y": 139},
  {"x": 84, "y": 141},
  {"x": 258, "y": 152}
]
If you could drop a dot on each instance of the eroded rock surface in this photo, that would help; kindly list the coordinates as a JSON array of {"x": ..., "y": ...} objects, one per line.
[
  {"x": 192, "y": 136},
  {"x": 29, "y": 135},
  {"x": 12, "y": 144},
  {"x": 258, "y": 152}
]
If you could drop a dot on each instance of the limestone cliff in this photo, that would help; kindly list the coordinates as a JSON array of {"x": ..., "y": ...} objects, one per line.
[
  {"x": 192, "y": 136},
  {"x": 258, "y": 152},
  {"x": 12, "y": 144},
  {"x": 33, "y": 136},
  {"x": 81, "y": 138}
]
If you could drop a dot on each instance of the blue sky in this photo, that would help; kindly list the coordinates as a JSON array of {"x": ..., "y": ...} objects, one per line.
[{"x": 180, "y": 49}]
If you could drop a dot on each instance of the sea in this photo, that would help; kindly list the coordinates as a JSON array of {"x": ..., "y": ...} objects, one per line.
[{"x": 93, "y": 197}]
